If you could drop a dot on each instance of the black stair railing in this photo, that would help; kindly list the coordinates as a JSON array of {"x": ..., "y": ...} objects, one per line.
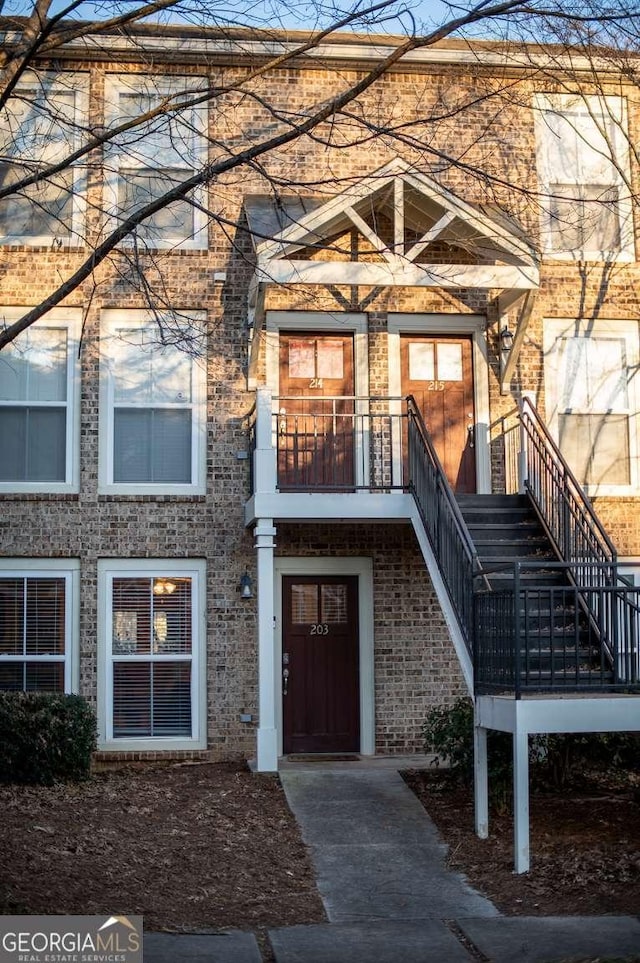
[
  {"x": 575, "y": 530},
  {"x": 446, "y": 530}
]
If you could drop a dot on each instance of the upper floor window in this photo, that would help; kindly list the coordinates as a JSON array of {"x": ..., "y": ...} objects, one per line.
[
  {"x": 153, "y": 407},
  {"x": 39, "y": 127},
  {"x": 39, "y": 391},
  {"x": 583, "y": 169},
  {"x": 38, "y": 625},
  {"x": 164, "y": 146}
]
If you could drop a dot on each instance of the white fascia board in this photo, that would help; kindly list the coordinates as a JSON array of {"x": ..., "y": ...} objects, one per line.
[
  {"x": 333, "y": 506},
  {"x": 518, "y": 56},
  {"x": 564, "y": 713},
  {"x": 486, "y": 276}
]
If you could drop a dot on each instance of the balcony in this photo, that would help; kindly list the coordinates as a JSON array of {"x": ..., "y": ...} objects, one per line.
[{"x": 349, "y": 453}]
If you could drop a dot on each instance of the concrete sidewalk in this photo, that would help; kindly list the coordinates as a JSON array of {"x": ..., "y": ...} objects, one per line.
[{"x": 388, "y": 894}]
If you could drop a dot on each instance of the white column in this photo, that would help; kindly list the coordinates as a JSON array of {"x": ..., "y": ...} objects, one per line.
[
  {"x": 481, "y": 781},
  {"x": 268, "y": 671},
  {"x": 265, "y": 470},
  {"x": 521, "y": 800}
]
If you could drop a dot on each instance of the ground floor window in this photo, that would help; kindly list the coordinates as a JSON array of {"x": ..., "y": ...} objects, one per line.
[
  {"x": 152, "y": 653},
  {"x": 37, "y": 625}
]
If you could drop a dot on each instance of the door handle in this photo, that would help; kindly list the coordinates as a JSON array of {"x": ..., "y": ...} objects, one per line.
[
  {"x": 283, "y": 420},
  {"x": 471, "y": 430},
  {"x": 285, "y": 681}
]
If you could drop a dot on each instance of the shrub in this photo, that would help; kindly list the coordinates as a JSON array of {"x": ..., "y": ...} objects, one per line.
[{"x": 45, "y": 737}]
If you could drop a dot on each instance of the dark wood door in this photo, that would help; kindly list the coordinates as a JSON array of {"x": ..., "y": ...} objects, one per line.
[
  {"x": 316, "y": 425},
  {"x": 438, "y": 372},
  {"x": 320, "y": 664}
]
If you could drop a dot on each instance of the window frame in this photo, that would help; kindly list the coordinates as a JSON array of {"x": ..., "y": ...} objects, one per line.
[
  {"x": 111, "y": 320},
  {"x": 76, "y": 83},
  {"x": 108, "y": 569},
  {"x": 69, "y": 570},
  {"x": 555, "y": 330},
  {"x": 71, "y": 319},
  {"x": 592, "y": 106},
  {"x": 115, "y": 85}
]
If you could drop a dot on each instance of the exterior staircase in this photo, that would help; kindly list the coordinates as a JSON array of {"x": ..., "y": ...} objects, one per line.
[{"x": 559, "y": 644}]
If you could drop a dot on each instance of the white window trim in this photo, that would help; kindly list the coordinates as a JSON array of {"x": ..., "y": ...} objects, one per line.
[
  {"x": 557, "y": 328},
  {"x": 165, "y": 85},
  {"x": 69, "y": 570},
  {"x": 444, "y": 324},
  {"x": 111, "y": 320},
  {"x": 77, "y": 83},
  {"x": 108, "y": 569},
  {"x": 617, "y": 107},
  {"x": 71, "y": 318}
]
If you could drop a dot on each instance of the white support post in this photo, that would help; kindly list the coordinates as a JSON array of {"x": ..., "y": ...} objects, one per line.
[
  {"x": 481, "y": 780},
  {"x": 265, "y": 469},
  {"x": 521, "y": 800},
  {"x": 268, "y": 671}
]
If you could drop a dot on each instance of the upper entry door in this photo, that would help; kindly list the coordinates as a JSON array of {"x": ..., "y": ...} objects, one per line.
[
  {"x": 438, "y": 372},
  {"x": 315, "y": 422}
]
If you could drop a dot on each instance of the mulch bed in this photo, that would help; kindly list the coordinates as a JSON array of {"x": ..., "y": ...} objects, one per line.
[
  {"x": 585, "y": 846},
  {"x": 189, "y": 847}
]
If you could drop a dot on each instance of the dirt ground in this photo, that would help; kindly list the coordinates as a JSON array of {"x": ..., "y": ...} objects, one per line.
[
  {"x": 585, "y": 846},
  {"x": 189, "y": 847},
  {"x": 205, "y": 847}
]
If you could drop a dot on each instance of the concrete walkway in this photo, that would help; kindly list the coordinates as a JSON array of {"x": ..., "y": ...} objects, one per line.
[{"x": 388, "y": 895}]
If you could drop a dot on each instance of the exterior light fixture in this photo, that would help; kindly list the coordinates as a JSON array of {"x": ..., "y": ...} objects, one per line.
[
  {"x": 246, "y": 586},
  {"x": 506, "y": 339}
]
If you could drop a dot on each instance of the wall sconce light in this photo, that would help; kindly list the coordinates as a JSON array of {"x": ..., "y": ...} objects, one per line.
[
  {"x": 163, "y": 586},
  {"x": 246, "y": 586},
  {"x": 506, "y": 340}
]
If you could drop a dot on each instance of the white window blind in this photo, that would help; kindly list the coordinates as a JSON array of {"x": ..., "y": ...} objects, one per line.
[
  {"x": 38, "y": 127},
  {"x": 33, "y": 642},
  {"x": 153, "y": 409},
  {"x": 34, "y": 406},
  {"x": 593, "y": 415},
  {"x": 151, "y": 649}
]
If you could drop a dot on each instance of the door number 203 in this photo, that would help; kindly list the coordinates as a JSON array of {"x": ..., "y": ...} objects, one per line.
[{"x": 319, "y": 628}]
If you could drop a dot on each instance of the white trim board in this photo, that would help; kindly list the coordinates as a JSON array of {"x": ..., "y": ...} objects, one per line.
[{"x": 336, "y": 565}]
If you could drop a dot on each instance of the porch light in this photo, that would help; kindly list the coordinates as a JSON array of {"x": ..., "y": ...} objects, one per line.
[
  {"x": 164, "y": 586},
  {"x": 506, "y": 339},
  {"x": 246, "y": 586}
]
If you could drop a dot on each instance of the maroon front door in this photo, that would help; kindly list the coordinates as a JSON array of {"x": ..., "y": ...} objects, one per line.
[
  {"x": 438, "y": 371},
  {"x": 320, "y": 664},
  {"x": 315, "y": 423}
]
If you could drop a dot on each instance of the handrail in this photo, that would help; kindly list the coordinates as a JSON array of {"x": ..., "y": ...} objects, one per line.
[
  {"x": 579, "y": 512},
  {"x": 442, "y": 519}
]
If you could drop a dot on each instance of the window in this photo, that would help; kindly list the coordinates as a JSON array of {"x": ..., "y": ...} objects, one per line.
[
  {"x": 39, "y": 392},
  {"x": 153, "y": 406},
  {"x": 591, "y": 400},
  {"x": 156, "y": 155},
  {"x": 583, "y": 163},
  {"x": 37, "y": 625},
  {"x": 40, "y": 125},
  {"x": 153, "y": 685}
]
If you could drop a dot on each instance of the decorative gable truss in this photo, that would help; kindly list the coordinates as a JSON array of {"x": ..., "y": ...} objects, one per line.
[{"x": 396, "y": 227}]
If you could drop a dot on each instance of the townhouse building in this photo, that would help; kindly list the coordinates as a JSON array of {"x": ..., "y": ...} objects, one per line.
[{"x": 247, "y": 463}]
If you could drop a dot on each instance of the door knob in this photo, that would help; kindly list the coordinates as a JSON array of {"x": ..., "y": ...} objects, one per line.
[{"x": 285, "y": 681}]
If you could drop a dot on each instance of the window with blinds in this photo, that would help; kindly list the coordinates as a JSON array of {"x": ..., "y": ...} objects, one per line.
[
  {"x": 153, "y": 404},
  {"x": 151, "y": 653},
  {"x": 33, "y": 632}
]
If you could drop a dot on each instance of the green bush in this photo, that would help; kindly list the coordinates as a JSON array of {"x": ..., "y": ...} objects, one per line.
[{"x": 45, "y": 737}]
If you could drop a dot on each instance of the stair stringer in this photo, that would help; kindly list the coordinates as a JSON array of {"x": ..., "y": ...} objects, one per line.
[{"x": 449, "y": 612}]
